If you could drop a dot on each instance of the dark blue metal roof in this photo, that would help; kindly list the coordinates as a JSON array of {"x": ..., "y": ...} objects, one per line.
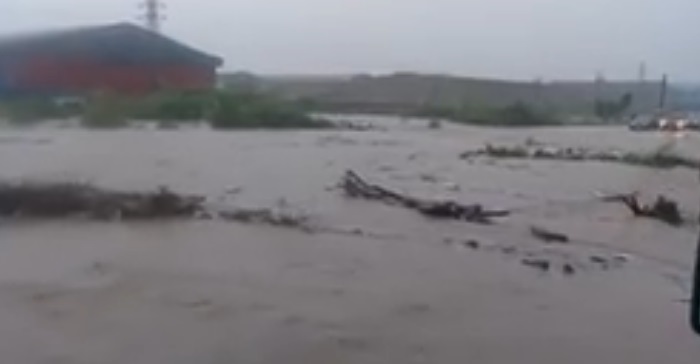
[{"x": 119, "y": 43}]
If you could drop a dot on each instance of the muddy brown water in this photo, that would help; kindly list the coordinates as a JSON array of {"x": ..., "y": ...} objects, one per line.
[{"x": 393, "y": 288}]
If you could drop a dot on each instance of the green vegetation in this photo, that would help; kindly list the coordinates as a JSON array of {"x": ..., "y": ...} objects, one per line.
[
  {"x": 221, "y": 109},
  {"x": 517, "y": 114},
  {"x": 27, "y": 111},
  {"x": 610, "y": 110},
  {"x": 104, "y": 112},
  {"x": 174, "y": 106},
  {"x": 246, "y": 110}
]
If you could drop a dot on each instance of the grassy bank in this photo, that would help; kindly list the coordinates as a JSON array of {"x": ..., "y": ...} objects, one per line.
[{"x": 220, "y": 109}]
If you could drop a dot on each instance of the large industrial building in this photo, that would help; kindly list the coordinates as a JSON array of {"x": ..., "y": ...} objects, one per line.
[{"x": 120, "y": 58}]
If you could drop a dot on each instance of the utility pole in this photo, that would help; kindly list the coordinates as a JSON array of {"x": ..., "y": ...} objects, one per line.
[
  {"x": 152, "y": 14},
  {"x": 664, "y": 90},
  {"x": 640, "y": 88}
]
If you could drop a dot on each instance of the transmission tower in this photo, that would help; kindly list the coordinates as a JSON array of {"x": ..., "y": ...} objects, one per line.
[
  {"x": 642, "y": 77},
  {"x": 152, "y": 14}
]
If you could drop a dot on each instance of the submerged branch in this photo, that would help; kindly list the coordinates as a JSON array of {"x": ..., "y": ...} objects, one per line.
[
  {"x": 356, "y": 187},
  {"x": 663, "y": 209}
]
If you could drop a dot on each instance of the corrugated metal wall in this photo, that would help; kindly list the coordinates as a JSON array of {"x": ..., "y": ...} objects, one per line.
[
  {"x": 5, "y": 79},
  {"x": 122, "y": 58},
  {"x": 49, "y": 75}
]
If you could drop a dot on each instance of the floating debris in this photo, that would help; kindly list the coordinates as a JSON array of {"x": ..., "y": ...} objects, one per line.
[
  {"x": 546, "y": 259},
  {"x": 354, "y": 186},
  {"x": 472, "y": 244},
  {"x": 509, "y": 250},
  {"x": 622, "y": 258},
  {"x": 663, "y": 209},
  {"x": 354, "y": 126},
  {"x": 598, "y": 259},
  {"x": 548, "y": 236},
  {"x": 540, "y": 264},
  {"x": 234, "y": 191},
  {"x": 51, "y": 200},
  {"x": 603, "y": 262},
  {"x": 59, "y": 200},
  {"x": 434, "y": 124},
  {"x": 429, "y": 178},
  {"x": 336, "y": 140},
  {"x": 269, "y": 217},
  {"x": 657, "y": 159},
  {"x": 568, "y": 269}
]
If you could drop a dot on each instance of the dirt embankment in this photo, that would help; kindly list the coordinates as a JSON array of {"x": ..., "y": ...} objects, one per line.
[{"x": 407, "y": 92}]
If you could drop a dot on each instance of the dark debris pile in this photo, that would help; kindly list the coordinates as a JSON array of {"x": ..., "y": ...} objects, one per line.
[
  {"x": 663, "y": 209},
  {"x": 551, "y": 260},
  {"x": 356, "y": 187},
  {"x": 268, "y": 217},
  {"x": 659, "y": 159},
  {"x": 51, "y": 200},
  {"x": 64, "y": 200}
]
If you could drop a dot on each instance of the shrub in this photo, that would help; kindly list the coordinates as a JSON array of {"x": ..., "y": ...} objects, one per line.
[
  {"x": 248, "y": 110},
  {"x": 174, "y": 106},
  {"x": 105, "y": 112},
  {"x": 520, "y": 114},
  {"x": 608, "y": 110},
  {"x": 25, "y": 111},
  {"x": 222, "y": 109},
  {"x": 517, "y": 114}
]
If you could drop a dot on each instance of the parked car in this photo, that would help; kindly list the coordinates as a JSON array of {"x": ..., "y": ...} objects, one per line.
[
  {"x": 663, "y": 122},
  {"x": 643, "y": 123}
]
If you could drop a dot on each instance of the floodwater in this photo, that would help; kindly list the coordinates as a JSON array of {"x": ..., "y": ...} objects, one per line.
[{"x": 379, "y": 284}]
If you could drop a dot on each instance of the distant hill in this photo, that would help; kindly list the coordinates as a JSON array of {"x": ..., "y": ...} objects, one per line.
[{"x": 403, "y": 92}]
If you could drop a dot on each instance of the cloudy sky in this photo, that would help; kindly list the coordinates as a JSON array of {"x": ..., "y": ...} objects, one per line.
[{"x": 523, "y": 39}]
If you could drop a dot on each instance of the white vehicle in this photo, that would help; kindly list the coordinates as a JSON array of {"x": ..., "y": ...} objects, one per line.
[{"x": 663, "y": 121}]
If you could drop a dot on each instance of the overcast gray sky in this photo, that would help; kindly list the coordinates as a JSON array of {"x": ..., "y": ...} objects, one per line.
[{"x": 521, "y": 39}]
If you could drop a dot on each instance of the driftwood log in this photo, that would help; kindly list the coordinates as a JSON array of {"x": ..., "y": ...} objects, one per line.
[
  {"x": 548, "y": 236},
  {"x": 356, "y": 187},
  {"x": 663, "y": 209}
]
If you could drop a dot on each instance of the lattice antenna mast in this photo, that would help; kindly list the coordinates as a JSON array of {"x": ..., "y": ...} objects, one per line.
[{"x": 153, "y": 14}]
